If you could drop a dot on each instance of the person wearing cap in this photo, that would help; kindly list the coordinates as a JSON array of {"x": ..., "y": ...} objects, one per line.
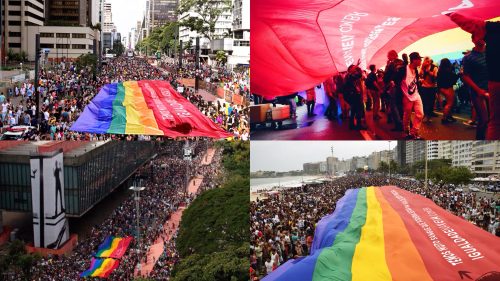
[
  {"x": 407, "y": 80},
  {"x": 489, "y": 33}
]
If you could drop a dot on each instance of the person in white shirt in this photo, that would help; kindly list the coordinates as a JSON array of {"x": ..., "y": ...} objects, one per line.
[{"x": 411, "y": 97}]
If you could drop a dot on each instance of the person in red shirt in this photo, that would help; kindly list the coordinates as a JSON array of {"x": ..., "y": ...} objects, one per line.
[{"x": 311, "y": 101}]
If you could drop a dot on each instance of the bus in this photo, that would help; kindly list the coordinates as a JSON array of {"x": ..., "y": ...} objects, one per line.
[{"x": 130, "y": 53}]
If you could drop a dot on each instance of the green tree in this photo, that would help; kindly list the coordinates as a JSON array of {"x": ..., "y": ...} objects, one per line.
[
  {"x": 383, "y": 167},
  {"x": 220, "y": 55},
  {"x": 231, "y": 265},
  {"x": 118, "y": 48},
  {"x": 21, "y": 56},
  {"x": 359, "y": 170},
  {"x": 438, "y": 170},
  {"x": 460, "y": 175},
  {"x": 25, "y": 262},
  {"x": 11, "y": 55},
  {"x": 96, "y": 26},
  {"x": 217, "y": 218},
  {"x": 209, "y": 13},
  {"x": 88, "y": 62},
  {"x": 394, "y": 166}
]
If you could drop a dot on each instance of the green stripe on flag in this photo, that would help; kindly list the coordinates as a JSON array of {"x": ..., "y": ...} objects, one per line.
[
  {"x": 334, "y": 263},
  {"x": 119, "y": 121}
]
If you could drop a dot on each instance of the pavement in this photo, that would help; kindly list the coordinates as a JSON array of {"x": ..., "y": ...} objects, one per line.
[
  {"x": 321, "y": 128},
  {"x": 156, "y": 250}
]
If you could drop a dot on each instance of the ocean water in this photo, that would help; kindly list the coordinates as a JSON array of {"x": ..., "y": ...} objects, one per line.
[{"x": 269, "y": 183}]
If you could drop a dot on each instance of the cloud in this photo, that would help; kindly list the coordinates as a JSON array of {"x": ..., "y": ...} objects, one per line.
[{"x": 285, "y": 156}]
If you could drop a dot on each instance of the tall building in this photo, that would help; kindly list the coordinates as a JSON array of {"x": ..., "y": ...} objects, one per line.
[
  {"x": 19, "y": 15},
  {"x": 310, "y": 168},
  {"x": 160, "y": 12},
  {"x": 445, "y": 150},
  {"x": 108, "y": 24},
  {"x": 415, "y": 151},
  {"x": 77, "y": 12},
  {"x": 241, "y": 33},
  {"x": 462, "y": 153},
  {"x": 485, "y": 156},
  {"x": 323, "y": 167},
  {"x": 222, "y": 25},
  {"x": 401, "y": 153},
  {"x": 373, "y": 160},
  {"x": 432, "y": 150}
]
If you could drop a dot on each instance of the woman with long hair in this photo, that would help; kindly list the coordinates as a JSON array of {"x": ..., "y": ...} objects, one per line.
[{"x": 446, "y": 79}]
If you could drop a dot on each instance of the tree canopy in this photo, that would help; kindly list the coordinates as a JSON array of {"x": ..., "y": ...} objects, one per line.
[
  {"x": 439, "y": 171},
  {"x": 224, "y": 266},
  {"x": 216, "y": 223},
  {"x": 209, "y": 13}
]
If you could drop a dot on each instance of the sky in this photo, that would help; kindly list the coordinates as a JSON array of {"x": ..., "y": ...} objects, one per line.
[
  {"x": 126, "y": 13},
  {"x": 283, "y": 156}
]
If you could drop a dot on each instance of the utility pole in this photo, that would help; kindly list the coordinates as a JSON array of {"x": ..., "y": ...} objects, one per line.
[
  {"x": 389, "y": 161},
  {"x": 37, "y": 94},
  {"x": 175, "y": 27},
  {"x": 332, "y": 167},
  {"x": 425, "y": 165},
  {"x": 197, "y": 64},
  {"x": 137, "y": 192},
  {"x": 180, "y": 56}
]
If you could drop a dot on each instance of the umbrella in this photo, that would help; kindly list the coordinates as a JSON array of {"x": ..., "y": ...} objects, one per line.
[{"x": 310, "y": 41}]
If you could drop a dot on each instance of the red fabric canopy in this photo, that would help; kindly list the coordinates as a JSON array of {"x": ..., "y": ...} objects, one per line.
[{"x": 302, "y": 43}]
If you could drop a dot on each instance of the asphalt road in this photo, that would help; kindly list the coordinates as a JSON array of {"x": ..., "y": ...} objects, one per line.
[{"x": 321, "y": 128}]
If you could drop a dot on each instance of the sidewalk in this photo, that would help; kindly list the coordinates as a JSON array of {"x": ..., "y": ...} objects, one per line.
[{"x": 156, "y": 250}]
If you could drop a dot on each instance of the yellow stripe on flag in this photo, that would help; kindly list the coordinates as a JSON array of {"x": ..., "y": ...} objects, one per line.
[
  {"x": 369, "y": 261},
  {"x": 134, "y": 125}
]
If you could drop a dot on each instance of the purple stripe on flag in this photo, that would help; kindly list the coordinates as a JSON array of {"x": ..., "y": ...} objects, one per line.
[
  {"x": 90, "y": 112},
  {"x": 320, "y": 228}
]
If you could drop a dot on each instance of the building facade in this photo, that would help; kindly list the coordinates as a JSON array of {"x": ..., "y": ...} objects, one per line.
[
  {"x": 415, "y": 151},
  {"x": 91, "y": 172},
  {"x": 486, "y": 158},
  {"x": 19, "y": 15},
  {"x": 462, "y": 153}
]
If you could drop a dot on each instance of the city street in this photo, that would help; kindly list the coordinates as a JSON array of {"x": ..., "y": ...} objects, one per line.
[{"x": 321, "y": 128}]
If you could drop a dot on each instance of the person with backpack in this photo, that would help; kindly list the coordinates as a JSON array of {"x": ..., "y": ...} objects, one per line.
[
  {"x": 428, "y": 72},
  {"x": 354, "y": 96},
  {"x": 395, "y": 101}
]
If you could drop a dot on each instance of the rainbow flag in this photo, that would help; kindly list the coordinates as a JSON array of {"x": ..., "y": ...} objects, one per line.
[
  {"x": 386, "y": 233},
  {"x": 101, "y": 268},
  {"x": 145, "y": 108},
  {"x": 113, "y": 247}
]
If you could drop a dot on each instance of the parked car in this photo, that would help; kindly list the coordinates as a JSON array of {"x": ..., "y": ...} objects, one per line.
[
  {"x": 15, "y": 132},
  {"x": 475, "y": 189},
  {"x": 459, "y": 189}
]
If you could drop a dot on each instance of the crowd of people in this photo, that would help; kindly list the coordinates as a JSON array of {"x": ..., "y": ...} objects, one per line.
[
  {"x": 415, "y": 84},
  {"x": 282, "y": 225},
  {"x": 163, "y": 195},
  {"x": 66, "y": 90}
]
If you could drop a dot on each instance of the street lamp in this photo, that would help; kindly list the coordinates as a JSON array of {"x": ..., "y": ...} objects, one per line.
[
  {"x": 389, "y": 162},
  {"x": 187, "y": 158},
  {"x": 137, "y": 192}
]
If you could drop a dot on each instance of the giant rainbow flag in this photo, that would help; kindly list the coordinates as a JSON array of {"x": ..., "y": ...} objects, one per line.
[
  {"x": 145, "y": 108},
  {"x": 101, "y": 268},
  {"x": 113, "y": 247},
  {"x": 304, "y": 42},
  {"x": 386, "y": 233}
]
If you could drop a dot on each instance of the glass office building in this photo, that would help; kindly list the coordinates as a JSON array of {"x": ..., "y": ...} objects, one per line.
[{"x": 91, "y": 172}]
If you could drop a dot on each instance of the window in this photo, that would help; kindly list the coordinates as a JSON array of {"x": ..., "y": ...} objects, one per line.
[
  {"x": 90, "y": 47},
  {"x": 15, "y": 3},
  {"x": 30, "y": 14},
  {"x": 47, "y": 46},
  {"x": 62, "y": 35},
  {"x": 14, "y": 13},
  {"x": 79, "y": 35},
  {"x": 62, "y": 46},
  {"x": 79, "y": 46},
  {"x": 29, "y": 4},
  {"x": 15, "y": 45},
  {"x": 16, "y": 23},
  {"x": 51, "y": 35},
  {"x": 14, "y": 34}
]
